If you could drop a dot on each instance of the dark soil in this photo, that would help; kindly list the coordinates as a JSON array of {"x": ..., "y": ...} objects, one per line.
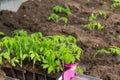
[{"x": 32, "y": 16}]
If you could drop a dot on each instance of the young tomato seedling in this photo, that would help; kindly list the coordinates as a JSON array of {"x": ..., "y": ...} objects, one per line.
[
  {"x": 115, "y": 4},
  {"x": 94, "y": 15},
  {"x": 49, "y": 51},
  {"x": 94, "y": 25},
  {"x": 57, "y": 10},
  {"x": 59, "y": 49},
  {"x": 109, "y": 51},
  {"x": 56, "y": 18}
]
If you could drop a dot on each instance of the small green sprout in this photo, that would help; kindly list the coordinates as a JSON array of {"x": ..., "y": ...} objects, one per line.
[
  {"x": 79, "y": 70},
  {"x": 115, "y": 4},
  {"x": 101, "y": 51},
  {"x": 109, "y": 51},
  {"x": 114, "y": 50},
  {"x": 94, "y": 15},
  {"x": 1, "y": 59},
  {"x": 1, "y": 33},
  {"x": 64, "y": 19},
  {"x": 54, "y": 17},
  {"x": 103, "y": 14},
  {"x": 67, "y": 10},
  {"x": 94, "y": 25},
  {"x": 57, "y": 9},
  {"x": 60, "y": 9}
]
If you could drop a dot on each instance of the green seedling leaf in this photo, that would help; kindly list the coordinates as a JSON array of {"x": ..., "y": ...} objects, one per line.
[
  {"x": 93, "y": 16},
  {"x": 99, "y": 26},
  {"x": 103, "y": 14},
  {"x": 54, "y": 17},
  {"x": 32, "y": 56},
  {"x": 1, "y": 33},
  {"x": 79, "y": 70},
  {"x": 1, "y": 62},
  {"x": 64, "y": 19},
  {"x": 6, "y": 55},
  {"x": 94, "y": 25},
  {"x": 114, "y": 50},
  {"x": 67, "y": 10},
  {"x": 20, "y": 33},
  {"x": 117, "y": 1},
  {"x": 111, "y": 50},
  {"x": 71, "y": 39},
  {"x": 45, "y": 66},
  {"x": 69, "y": 58},
  {"x": 24, "y": 56},
  {"x": 57, "y": 9},
  {"x": 57, "y": 62},
  {"x": 101, "y": 51},
  {"x": 50, "y": 69},
  {"x": 115, "y": 4},
  {"x": 14, "y": 61}
]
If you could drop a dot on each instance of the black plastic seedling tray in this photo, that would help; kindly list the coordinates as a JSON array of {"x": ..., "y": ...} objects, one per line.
[
  {"x": 10, "y": 78},
  {"x": 20, "y": 74},
  {"x": 28, "y": 75},
  {"x": 24, "y": 75}
]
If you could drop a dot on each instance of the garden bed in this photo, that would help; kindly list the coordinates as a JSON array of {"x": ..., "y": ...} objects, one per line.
[{"x": 32, "y": 16}]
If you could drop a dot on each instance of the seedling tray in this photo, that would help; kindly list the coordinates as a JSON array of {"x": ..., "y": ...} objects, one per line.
[
  {"x": 20, "y": 74},
  {"x": 40, "y": 76},
  {"x": 28, "y": 75},
  {"x": 7, "y": 71},
  {"x": 10, "y": 78}
]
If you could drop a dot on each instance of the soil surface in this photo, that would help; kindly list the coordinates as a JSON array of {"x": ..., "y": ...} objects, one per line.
[{"x": 32, "y": 16}]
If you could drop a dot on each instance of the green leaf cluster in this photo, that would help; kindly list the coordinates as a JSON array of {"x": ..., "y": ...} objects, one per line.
[
  {"x": 59, "y": 49},
  {"x": 49, "y": 51},
  {"x": 59, "y": 9},
  {"x": 110, "y": 51},
  {"x": 94, "y": 25},
  {"x": 115, "y": 4},
  {"x": 94, "y": 15},
  {"x": 19, "y": 47}
]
